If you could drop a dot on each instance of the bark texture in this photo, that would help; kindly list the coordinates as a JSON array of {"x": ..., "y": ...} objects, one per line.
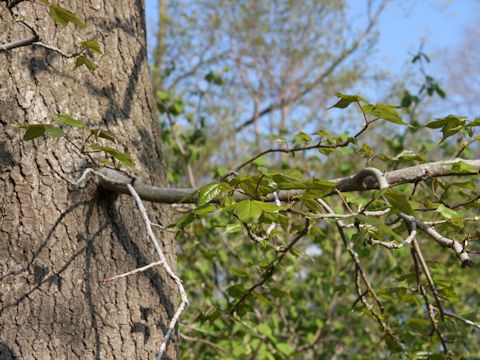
[{"x": 57, "y": 242}]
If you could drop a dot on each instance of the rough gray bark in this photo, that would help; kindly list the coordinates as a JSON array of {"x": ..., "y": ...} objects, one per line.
[{"x": 57, "y": 242}]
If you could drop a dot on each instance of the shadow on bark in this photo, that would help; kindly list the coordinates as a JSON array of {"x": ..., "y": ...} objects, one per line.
[
  {"x": 6, "y": 353},
  {"x": 123, "y": 235}
]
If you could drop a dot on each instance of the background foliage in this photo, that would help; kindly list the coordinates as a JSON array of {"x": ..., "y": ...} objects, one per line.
[{"x": 220, "y": 66}]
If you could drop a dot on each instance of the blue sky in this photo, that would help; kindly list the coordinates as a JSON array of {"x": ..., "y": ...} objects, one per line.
[{"x": 403, "y": 26}]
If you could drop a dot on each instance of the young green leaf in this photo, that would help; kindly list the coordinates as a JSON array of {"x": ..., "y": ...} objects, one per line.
[
  {"x": 63, "y": 16},
  {"x": 70, "y": 121},
  {"x": 98, "y": 133},
  {"x": 448, "y": 213},
  {"x": 83, "y": 60},
  {"x": 33, "y": 131},
  {"x": 210, "y": 192},
  {"x": 346, "y": 100},
  {"x": 92, "y": 45},
  {"x": 123, "y": 157},
  {"x": 385, "y": 112},
  {"x": 247, "y": 210},
  {"x": 464, "y": 168},
  {"x": 54, "y": 131},
  {"x": 233, "y": 228},
  {"x": 399, "y": 201}
]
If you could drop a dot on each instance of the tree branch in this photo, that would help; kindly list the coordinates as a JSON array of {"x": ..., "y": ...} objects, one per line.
[{"x": 117, "y": 181}]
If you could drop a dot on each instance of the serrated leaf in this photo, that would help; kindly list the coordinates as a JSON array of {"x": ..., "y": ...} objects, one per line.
[
  {"x": 83, "y": 60},
  {"x": 63, "y": 16},
  {"x": 399, "y": 201},
  {"x": 70, "y": 121},
  {"x": 33, "y": 131},
  {"x": 92, "y": 45}
]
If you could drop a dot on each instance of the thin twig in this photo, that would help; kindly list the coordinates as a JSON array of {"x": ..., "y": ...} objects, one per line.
[
  {"x": 428, "y": 305},
  {"x": 458, "y": 317},
  {"x": 167, "y": 268},
  {"x": 141, "y": 269}
]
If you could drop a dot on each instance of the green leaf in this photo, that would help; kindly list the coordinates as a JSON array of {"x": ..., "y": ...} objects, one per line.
[
  {"x": 248, "y": 210},
  {"x": 267, "y": 207},
  {"x": 240, "y": 272},
  {"x": 320, "y": 187},
  {"x": 163, "y": 95},
  {"x": 346, "y": 100},
  {"x": 213, "y": 78},
  {"x": 123, "y": 157},
  {"x": 385, "y": 112},
  {"x": 236, "y": 290},
  {"x": 450, "y": 125},
  {"x": 54, "y": 131},
  {"x": 211, "y": 192},
  {"x": 176, "y": 108},
  {"x": 103, "y": 134},
  {"x": 83, "y": 60},
  {"x": 184, "y": 220},
  {"x": 464, "y": 168},
  {"x": 233, "y": 228},
  {"x": 448, "y": 213},
  {"x": 70, "y": 121},
  {"x": 285, "y": 348},
  {"x": 302, "y": 138},
  {"x": 409, "y": 155},
  {"x": 92, "y": 45},
  {"x": 33, "y": 131},
  {"x": 205, "y": 209},
  {"x": 379, "y": 224},
  {"x": 63, "y": 16},
  {"x": 399, "y": 201}
]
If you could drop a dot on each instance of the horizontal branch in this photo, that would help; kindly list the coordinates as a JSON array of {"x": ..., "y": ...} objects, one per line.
[{"x": 116, "y": 181}]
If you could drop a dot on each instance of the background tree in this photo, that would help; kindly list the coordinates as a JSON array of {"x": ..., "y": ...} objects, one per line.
[
  {"x": 59, "y": 242},
  {"x": 253, "y": 70}
]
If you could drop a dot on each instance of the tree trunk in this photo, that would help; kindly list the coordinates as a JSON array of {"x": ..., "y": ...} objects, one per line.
[{"x": 57, "y": 242}]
